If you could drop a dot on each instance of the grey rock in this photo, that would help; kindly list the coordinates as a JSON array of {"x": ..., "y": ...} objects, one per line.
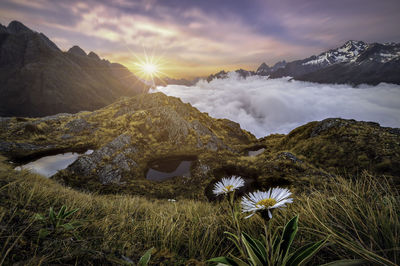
[
  {"x": 109, "y": 175},
  {"x": 289, "y": 156},
  {"x": 176, "y": 126},
  {"x": 119, "y": 142},
  {"x": 114, "y": 156},
  {"x": 66, "y": 136},
  {"x": 22, "y": 149},
  {"x": 78, "y": 125},
  {"x": 200, "y": 129},
  {"x": 84, "y": 165},
  {"x": 122, "y": 162},
  {"x": 326, "y": 124}
]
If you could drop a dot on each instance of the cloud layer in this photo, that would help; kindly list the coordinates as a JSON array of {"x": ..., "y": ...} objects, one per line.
[{"x": 264, "y": 106}]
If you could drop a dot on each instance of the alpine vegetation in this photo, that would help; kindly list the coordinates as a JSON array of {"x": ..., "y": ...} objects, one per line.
[{"x": 271, "y": 249}]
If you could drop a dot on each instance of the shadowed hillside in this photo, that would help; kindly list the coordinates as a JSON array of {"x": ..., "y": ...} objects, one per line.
[{"x": 39, "y": 79}]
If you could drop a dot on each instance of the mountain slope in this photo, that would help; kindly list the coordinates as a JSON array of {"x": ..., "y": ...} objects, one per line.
[{"x": 39, "y": 79}]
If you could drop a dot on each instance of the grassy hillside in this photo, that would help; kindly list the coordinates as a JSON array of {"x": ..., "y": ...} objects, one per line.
[
  {"x": 116, "y": 228},
  {"x": 344, "y": 175}
]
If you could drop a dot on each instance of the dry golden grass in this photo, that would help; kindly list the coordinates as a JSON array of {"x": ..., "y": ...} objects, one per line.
[{"x": 361, "y": 218}]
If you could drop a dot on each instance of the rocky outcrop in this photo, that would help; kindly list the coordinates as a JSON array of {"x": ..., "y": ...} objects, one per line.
[
  {"x": 78, "y": 125},
  {"x": 108, "y": 162},
  {"x": 347, "y": 145},
  {"x": 125, "y": 137}
]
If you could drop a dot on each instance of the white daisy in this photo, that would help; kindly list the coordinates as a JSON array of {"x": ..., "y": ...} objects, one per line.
[
  {"x": 265, "y": 201},
  {"x": 227, "y": 185}
]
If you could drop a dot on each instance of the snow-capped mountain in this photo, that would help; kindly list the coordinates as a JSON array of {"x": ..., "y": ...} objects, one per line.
[
  {"x": 355, "y": 62},
  {"x": 348, "y": 52}
]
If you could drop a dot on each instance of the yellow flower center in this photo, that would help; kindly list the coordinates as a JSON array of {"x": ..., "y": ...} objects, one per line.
[
  {"x": 228, "y": 188},
  {"x": 266, "y": 203}
]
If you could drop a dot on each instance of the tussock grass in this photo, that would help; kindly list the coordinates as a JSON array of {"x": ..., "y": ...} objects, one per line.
[{"x": 361, "y": 218}]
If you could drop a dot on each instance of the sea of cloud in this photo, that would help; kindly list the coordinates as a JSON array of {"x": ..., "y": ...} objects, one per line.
[{"x": 264, "y": 106}]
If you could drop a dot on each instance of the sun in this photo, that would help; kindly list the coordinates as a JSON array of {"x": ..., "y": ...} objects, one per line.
[{"x": 150, "y": 68}]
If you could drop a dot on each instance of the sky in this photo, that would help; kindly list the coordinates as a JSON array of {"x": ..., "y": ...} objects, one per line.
[
  {"x": 261, "y": 106},
  {"x": 192, "y": 38}
]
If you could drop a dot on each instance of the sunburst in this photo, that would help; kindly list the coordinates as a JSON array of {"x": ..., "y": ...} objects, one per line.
[{"x": 150, "y": 67}]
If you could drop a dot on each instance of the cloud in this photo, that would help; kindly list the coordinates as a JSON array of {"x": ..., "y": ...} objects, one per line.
[{"x": 264, "y": 106}]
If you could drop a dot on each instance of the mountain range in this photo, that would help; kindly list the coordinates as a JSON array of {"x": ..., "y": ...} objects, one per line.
[
  {"x": 39, "y": 79},
  {"x": 355, "y": 62}
]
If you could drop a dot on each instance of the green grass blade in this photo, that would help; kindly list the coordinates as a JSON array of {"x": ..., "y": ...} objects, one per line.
[
  {"x": 359, "y": 262},
  {"x": 69, "y": 213},
  {"x": 257, "y": 246},
  {"x": 252, "y": 250},
  {"x": 224, "y": 261},
  {"x": 288, "y": 234},
  {"x": 303, "y": 254},
  {"x": 144, "y": 260},
  {"x": 52, "y": 216},
  {"x": 61, "y": 212}
]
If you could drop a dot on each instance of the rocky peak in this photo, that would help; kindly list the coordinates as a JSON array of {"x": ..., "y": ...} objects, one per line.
[
  {"x": 3, "y": 29},
  {"x": 17, "y": 27},
  {"x": 244, "y": 73},
  {"x": 278, "y": 65},
  {"x": 76, "y": 50},
  {"x": 354, "y": 45},
  {"x": 93, "y": 55},
  {"x": 263, "y": 70},
  {"x": 348, "y": 52},
  {"x": 220, "y": 75}
]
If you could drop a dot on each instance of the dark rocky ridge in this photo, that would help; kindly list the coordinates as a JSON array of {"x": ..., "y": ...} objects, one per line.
[{"x": 38, "y": 79}]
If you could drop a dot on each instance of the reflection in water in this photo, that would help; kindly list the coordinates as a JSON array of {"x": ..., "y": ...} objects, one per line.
[
  {"x": 169, "y": 169},
  {"x": 50, "y": 165},
  {"x": 257, "y": 152}
]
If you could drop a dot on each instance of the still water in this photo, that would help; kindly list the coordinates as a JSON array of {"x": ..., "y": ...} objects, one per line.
[
  {"x": 50, "y": 165},
  {"x": 165, "y": 169}
]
